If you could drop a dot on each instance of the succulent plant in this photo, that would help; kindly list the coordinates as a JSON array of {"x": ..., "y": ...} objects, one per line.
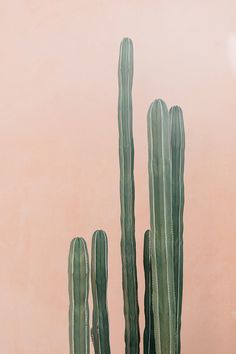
[
  {"x": 163, "y": 243},
  {"x": 99, "y": 275},
  {"x": 160, "y": 185},
  {"x": 126, "y": 154},
  {"x": 148, "y": 335},
  {"x": 78, "y": 294},
  {"x": 177, "y": 153}
]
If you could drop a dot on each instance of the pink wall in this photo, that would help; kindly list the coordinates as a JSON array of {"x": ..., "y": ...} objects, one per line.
[{"x": 59, "y": 157}]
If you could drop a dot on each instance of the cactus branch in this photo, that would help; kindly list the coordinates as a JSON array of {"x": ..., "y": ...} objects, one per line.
[
  {"x": 78, "y": 293},
  {"x": 126, "y": 154},
  {"x": 177, "y": 152},
  {"x": 99, "y": 274},
  {"x": 148, "y": 336},
  {"x": 161, "y": 227}
]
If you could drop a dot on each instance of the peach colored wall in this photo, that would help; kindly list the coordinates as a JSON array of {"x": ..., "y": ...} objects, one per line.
[{"x": 59, "y": 157}]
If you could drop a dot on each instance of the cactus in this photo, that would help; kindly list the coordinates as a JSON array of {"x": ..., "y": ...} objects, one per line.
[
  {"x": 160, "y": 176},
  {"x": 78, "y": 294},
  {"x": 99, "y": 274},
  {"x": 148, "y": 336},
  {"x": 177, "y": 149},
  {"x": 126, "y": 155},
  {"x": 163, "y": 243}
]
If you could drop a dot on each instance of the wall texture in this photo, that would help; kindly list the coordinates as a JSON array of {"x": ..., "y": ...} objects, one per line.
[{"x": 59, "y": 157}]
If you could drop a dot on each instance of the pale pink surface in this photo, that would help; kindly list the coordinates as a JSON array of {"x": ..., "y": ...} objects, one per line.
[{"x": 59, "y": 157}]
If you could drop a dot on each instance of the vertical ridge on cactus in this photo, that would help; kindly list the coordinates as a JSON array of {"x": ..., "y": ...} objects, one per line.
[
  {"x": 160, "y": 196},
  {"x": 177, "y": 152},
  {"x": 148, "y": 335},
  {"x": 126, "y": 157},
  {"x": 78, "y": 293},
  {"x": 99, "y": 275}
]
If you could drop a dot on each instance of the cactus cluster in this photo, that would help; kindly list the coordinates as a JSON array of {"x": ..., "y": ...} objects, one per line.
[{"x": 163, "y": 242}]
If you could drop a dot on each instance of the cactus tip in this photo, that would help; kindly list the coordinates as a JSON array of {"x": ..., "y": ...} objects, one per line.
[{"x": 176, "y": 109}]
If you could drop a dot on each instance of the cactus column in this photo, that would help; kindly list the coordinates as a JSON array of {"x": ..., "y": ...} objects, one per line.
[
  {"x": 177, "y": 149},
  {"x": 99, "y": 274},
  {"x": 160, "y": 175},
  {"x": 148, "y": 336},
  {"x": 78, "y": 293},
  {"x": 126, "y": 155}
]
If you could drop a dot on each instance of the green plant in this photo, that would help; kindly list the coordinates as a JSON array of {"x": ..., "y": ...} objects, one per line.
[
  {"x": 99, "y": 274},
  {"x": 78, "y": 293},
  {"x": 126, "y": 154},
  {"x": 177, "y": 153},
  {"x": 163, "y": 243},
  {"x": 148, "y": 335},
  {"x": 160, "y": 185}
]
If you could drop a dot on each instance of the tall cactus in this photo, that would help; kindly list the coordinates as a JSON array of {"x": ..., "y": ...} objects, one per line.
[
  {"x": 148, "y": 336},
  {"x": 177, "y": 149},
  {"x": 126, "y": 155},
  {"x": 160, "y": 184},
  {"x": 99, "y": 274},
  {"x": 78, "y": 293},
  {"x": 163, "y": 243}
]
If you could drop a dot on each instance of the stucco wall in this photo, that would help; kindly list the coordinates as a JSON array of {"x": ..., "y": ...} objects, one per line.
[{"x": 59, "y": 157}]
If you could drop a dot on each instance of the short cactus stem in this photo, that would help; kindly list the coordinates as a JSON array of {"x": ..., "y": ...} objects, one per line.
[
  {"x": 148, "y": 336},
  {"x": 78, "y": 293},
  {"x": 99, "y": 275}
]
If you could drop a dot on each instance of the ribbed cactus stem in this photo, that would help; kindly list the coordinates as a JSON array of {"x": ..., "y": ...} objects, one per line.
[
  {"x": 78, "y": 293},
  {"x": 177, "y": 149},
  {"x": 148, "y": 336},
  {"x": 126, "y": 155},
  {"x": 160, "y": 184},
  {"x": 99, "y": 274}
]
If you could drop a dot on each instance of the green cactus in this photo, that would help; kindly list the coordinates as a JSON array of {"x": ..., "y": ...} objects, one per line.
[
  {"x": 148, "y": 336},
  {"x": 126, "y": 155},
  {"x": 177, "y": 149},
  {"x": 99, "y": 274},
  {"x": 78, "y": 294},
  {"x": 163, "y": 243},
  {"x": 160, "y": 176}
]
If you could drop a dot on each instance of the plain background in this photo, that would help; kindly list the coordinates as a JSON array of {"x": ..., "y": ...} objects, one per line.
[{"x": 59, "y": 157}]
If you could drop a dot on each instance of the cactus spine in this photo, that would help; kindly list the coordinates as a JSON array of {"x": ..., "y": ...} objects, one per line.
[
  {"x": 148, "y": 336},
  {"x": 99, "y": 274},
  {"x": 78, "y": 294},
  {"x": 126, "y": 155},
  {"x": 160, "y": 175},
  {"x": 177, "y": 152}
]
